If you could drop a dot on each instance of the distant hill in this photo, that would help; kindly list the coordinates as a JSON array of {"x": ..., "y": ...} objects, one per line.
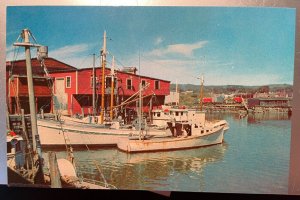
[{"x": 226, "y": 89}]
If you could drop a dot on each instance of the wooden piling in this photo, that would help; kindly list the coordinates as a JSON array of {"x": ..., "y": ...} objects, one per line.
[
  {"x": 7, "y": 120},
  {"x": 42, "y": 114},
  {"x": 82, "y": 112},
  {"x": 54, "y": 171}
]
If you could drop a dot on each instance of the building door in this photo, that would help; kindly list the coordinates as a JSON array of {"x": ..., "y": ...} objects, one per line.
[{"x": 60, "y": 98}]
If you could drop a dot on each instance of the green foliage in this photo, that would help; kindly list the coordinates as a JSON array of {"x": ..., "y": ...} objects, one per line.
[{"x": 229, "y": 89}]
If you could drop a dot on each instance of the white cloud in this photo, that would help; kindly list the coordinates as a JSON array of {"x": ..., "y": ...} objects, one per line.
[
  {"x": 185, "y": 50},
  {"x": 17, "y": 53},
  {"x": 68, "y": 51},
  {"x": 186, "y": 71},
  {"x": 75, "y": 55},
  {"x": 158, "y": 41}
]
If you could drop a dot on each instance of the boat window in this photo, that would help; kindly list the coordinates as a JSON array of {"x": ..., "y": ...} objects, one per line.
[
  {"x": 154, "y": 114},
  {"x": 202, "y": 131},
  {"x": 181, "y": 113},
  {"x": 196, "y": 126},
  {"x": 207, "y": 130},
  {"x": 143, "y": 83},
  {"x": 108, "y": 82},
  {"x": 158, "y": 114},
  {"x": 96, "y": 81},
  {"x": 176, "y": 113}
]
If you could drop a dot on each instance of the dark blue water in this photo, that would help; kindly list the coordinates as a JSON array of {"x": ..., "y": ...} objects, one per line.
[{"x": 253, "y": 159}]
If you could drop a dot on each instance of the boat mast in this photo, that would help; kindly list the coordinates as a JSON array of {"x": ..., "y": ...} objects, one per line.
[
  {"x": 112, "y": 72},
  {"x": 103, "y": 55},
  {"x": 32, "y": 103},
  {"x": 94, "y": 87},
  {"x": 176, "y": 91},
  {"x": 140, "y": 101},
  {"x": 25, "y": 35},
  {"x": 201, "y": 92}
]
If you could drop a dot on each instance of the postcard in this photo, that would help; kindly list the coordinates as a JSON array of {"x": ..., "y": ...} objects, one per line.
[{"x": 192, "y": 99}]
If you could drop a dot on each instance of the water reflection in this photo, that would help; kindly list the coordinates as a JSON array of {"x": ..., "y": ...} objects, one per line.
[
  {"x": 253, "y": 159},
  {"x": 146, "y": 170},
  {"x": 257, "y": 117}
]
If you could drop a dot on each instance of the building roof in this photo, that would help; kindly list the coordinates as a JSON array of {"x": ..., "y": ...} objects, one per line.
[
  {"x": 56, "y": 66},
  {"x": 51, "y": 64},
  {"x": 120, "y": 71}
]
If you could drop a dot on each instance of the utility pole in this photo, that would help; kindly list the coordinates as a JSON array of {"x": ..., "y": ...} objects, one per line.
[
  {"x": 112, "y": 73},
  {"x": 94, "y": 86},
  {"x": 103, "y": 54}
]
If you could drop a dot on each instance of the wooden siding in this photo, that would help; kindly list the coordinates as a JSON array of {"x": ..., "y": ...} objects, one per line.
[{"x": 19, "y": 87}]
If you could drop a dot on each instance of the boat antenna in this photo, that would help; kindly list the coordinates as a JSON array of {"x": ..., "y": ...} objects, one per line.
[{"x": 201, "y": 91}]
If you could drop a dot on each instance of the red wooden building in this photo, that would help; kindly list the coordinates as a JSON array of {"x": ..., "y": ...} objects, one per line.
[
  {"x": 17, "y": 88},
  {"x": 207, "y": 100},
  {"x": 72, "y": 88}
]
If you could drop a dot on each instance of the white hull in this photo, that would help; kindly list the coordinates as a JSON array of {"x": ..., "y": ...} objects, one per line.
[
  {"x": 93, "y": 129},
  {"x": 165, "y": 144},
  {"x": 51, "y": 134}
]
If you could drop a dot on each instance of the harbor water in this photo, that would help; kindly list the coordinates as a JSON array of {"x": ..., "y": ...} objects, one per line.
[{"x": 254, "y": 158}]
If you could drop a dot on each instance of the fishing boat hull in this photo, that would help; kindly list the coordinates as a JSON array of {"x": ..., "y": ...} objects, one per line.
[
  {"x": 53, "y": 135},
  {"x": 172, "y": 143}
]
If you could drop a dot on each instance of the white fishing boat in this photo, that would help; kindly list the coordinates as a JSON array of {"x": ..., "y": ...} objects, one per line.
[
  {"x": 191, "y": 134},
  {"x": 189, "y": 129}
]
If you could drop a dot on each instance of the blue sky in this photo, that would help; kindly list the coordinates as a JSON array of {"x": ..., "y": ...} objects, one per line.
[{"x": 235, "y": 46}]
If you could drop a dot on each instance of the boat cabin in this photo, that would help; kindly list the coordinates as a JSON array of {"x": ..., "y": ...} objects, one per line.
[{"x": 160, "y": 117}]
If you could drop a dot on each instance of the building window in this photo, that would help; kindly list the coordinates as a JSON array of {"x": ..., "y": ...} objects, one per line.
[
  {"x": 156, "y": 85},
  {"x": 129, "y": 84},
  {"x": 143, "y": 83},
  {"x": 96, "y": 80},
  {"x": 68, "y": 81},
  {"x": 107, "y": 82}
]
